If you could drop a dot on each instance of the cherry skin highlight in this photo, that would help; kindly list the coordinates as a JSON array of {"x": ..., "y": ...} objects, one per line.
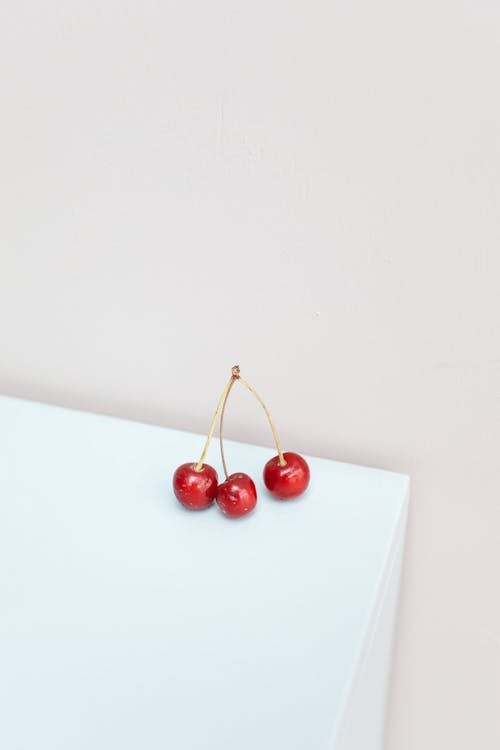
[
  {"x": 236, "y": 496},
  {"x": 291, "y": 480},
  {"x": 195, "y": 489}
]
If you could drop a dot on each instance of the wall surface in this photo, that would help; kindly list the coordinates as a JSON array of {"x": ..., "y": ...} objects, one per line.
[{"x": 310, "y": 189}]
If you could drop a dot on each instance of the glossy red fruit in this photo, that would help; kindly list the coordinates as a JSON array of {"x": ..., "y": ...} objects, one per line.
[
  {"x": 195, "y": 489},
  {"x": 285, "y": 482},
  {"x": 236, "y": 496}
]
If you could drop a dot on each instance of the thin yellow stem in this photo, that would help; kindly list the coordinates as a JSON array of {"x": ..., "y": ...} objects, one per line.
[
  {"x": 282, "y": 461},
  {"x": 221, "y": 428},
  {"x": 234, "y": 376}
]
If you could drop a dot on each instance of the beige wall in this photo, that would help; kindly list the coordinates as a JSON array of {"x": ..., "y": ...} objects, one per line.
[{"x": 311, "y": 190}]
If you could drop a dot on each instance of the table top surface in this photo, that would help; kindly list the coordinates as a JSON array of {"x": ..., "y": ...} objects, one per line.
[{"x": 130, "y": 622}]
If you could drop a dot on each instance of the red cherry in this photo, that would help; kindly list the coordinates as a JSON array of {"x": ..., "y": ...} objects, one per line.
[
  {"x": 289, "y": 480},
  {"x": 237, "y": 495},
  {"x": 195, "y": 489}
]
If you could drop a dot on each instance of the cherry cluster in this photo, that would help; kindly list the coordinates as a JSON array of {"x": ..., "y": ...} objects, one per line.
[{"x": 196, "y": 485}]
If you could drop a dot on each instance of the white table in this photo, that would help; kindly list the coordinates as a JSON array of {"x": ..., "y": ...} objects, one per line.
[{"x": 127, "y": 622}]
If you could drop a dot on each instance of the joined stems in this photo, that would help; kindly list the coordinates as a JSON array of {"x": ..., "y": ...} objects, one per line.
[
  {"x": 219, "y": 415},
  {"x": 234, "y": 376}
]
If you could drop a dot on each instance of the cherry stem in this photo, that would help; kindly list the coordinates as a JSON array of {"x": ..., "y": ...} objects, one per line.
[
  {"x": 282, "y": 461},
  {"x": 221, "y": 426},
  {"x": 235, "y": 374}
]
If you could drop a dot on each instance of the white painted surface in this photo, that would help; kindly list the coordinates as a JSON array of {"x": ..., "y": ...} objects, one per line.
[
  {"x": 363, "y": 722},
  {"x": 129, "y": 622},
  {"x": 310, "y": 189}
]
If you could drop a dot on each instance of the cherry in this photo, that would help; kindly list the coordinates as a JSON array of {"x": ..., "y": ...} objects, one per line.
[
  {"x": 195, "y": 489},
  {"x": 236, "y": 496},
  {"x": 195, "y": 484},
  {"x": 288, "y": 480}
]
